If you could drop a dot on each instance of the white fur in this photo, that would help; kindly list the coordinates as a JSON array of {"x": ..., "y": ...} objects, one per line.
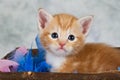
[{"x": 55, "y": 61}]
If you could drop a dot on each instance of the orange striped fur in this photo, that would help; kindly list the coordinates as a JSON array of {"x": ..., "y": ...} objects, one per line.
[{"x": 76, "y": 55}]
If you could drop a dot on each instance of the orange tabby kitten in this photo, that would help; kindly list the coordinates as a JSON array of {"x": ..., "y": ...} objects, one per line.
[{"x": 63, "y": 37}]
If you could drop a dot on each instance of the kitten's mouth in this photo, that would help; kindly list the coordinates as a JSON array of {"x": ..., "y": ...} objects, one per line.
[{"x": 61, "y": 49}]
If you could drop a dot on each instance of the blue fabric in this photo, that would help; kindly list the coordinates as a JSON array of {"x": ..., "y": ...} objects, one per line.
[
  {"x": 119, "y": 68},
  {"x": 35, "y": 63},
  {"x": 27, "y": 63}
]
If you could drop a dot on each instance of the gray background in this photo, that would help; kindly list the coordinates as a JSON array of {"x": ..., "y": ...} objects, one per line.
[{"x": 18, "y": 20}]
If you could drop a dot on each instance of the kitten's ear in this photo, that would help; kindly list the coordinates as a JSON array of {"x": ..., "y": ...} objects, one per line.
[
  {"x": 44, "y": 18},
  {"x": 85, "y": 23}
]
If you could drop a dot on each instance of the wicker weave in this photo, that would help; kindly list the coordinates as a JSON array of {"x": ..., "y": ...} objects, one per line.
[{"x": 59, "y": 76}]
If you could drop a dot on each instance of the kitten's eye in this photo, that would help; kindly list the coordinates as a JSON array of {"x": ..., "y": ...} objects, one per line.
[
  {"x": 71, "y": 37},
  {"x": 54, "y": 35}
]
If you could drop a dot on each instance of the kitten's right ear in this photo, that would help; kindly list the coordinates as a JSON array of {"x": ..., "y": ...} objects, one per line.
[{"x": 44, "y": 18}]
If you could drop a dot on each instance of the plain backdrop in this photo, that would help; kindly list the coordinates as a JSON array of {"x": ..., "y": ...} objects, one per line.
[{"x": 18, "y": 20}]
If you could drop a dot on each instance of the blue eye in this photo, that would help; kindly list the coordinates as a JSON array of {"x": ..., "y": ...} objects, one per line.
[
  {"x": 71, "y": 37},
  {"x": 54, "y": 35}
]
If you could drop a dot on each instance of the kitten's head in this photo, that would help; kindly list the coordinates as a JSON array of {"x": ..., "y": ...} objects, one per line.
[{"x": 62, "y": 34}]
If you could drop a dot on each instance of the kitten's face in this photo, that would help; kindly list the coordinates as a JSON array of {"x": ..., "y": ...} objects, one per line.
[{"x": 63, "y": 35}]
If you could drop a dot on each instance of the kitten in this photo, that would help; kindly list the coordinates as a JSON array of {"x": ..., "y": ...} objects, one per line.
[{"x": 63, "y": 37}]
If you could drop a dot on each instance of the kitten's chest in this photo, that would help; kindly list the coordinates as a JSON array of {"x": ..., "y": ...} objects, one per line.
[{"x": 55, "y": 61}]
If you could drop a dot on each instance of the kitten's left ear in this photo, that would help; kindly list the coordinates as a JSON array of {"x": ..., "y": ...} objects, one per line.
[{"x": 85, "y": 23}]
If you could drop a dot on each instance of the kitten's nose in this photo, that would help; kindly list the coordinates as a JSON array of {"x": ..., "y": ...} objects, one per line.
[{"x": 62, "y": 44}]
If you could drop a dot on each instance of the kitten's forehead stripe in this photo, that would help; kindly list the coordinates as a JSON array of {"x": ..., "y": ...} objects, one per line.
[
  {"x": 65, "y": 21},
  {"x": 58, "y": 19}
]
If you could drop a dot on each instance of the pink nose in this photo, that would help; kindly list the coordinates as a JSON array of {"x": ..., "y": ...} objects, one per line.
[{"x": 61, "y": 44}]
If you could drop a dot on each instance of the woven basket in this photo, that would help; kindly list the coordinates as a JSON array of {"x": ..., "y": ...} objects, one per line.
[{"x": 111, "y": 75}]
